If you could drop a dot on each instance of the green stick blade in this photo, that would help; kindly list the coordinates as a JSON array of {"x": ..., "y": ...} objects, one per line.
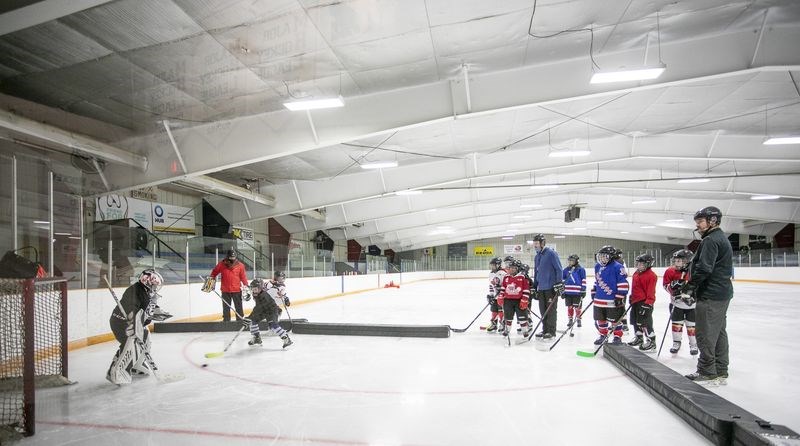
[
  {"x": 584, "y": 354},
  {"x": 214, "y": 354}
]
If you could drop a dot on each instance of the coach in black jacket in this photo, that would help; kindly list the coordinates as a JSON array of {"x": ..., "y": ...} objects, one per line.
[{"x": 710, "y": 283}]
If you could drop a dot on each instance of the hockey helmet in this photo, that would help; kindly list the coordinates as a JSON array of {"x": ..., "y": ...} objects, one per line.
[
  {"x": 573, "y": 257},
  {"x": 685, "y": 255},
  {"x": 279, "y": 276},
  {"x": 151, "y": 279},
  {"x": 711, "y": 214},
  {"x": 525, "y": 268},
  {"x": 508, "y": 260},
  {"x": 539, "y": 238},
  {"x": 256, "y": 286},
  {"x": 646, "y": 260},
  {"x": 496, "y": 261},
  {"x": 605, "y": 254},
  {"x": 515, "y": 264}
]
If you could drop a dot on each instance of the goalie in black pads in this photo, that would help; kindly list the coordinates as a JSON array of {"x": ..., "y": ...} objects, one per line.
[
  {"x": 266, "y": 294},
  {"x": 140, "y": 302}
]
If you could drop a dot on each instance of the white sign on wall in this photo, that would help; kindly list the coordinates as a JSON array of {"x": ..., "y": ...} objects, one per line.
[
  {"x": 118, "y": 207},
  {"x": 513, "y": 249},
  {"x": 168, "y": 218}
]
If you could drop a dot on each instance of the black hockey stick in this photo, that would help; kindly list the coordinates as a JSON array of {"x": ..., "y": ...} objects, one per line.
[
  {"x": 291, "y": 323},
  {"x": 541, "y": 319},
  {"x": 571, "y": 326},
  {"x": 669, "y": 322},
  {"x": 462, "y": 330},
  {"x": 147, "y": 356},
  {"x": 592, "y": 355}
]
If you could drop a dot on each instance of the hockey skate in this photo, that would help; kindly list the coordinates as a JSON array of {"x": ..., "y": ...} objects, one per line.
[
  {"x": 649, "y": 345},
  {"x": 625, "y": 327},
  {"x": 636, "y": 341},
  {"x": 540, "y": 335},
  {"x": 548, "y": 336},
  {"x": 579, "y": 323},
  {"x": 617, "y": 340},
  {"x": 693, "y": 349},
  {"x": 527, "y": 332},
  {"x": 703, "y": 380},
  {"x": 256, "y": 340},
  {"x": 570, "y": 321},
  {"x": 492, "y": 327},
  {"x": 676, "y": 345},
  {"x": 600, "y": 340},
  {"x": 286, "y": 341},
  {"x": 722, "y": 379}
]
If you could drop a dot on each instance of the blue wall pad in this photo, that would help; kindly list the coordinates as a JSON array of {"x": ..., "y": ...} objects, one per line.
[
  {"x": 190, "y": 327},
  {"x": 716, "y": 418},
  {"x": 400, "y": 331}
]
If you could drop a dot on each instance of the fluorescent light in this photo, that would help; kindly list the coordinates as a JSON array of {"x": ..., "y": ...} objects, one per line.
[
  {"x": 613, "y": 214},
  {"x": 74, "y": 238},
  {"x": 314, "y": 104},
  {"x": 382, "y": 165},
  {"x": 408, "y": 192},
  {"x": 530, "y": 205},
  {"x": 639, "y": 74},
  {"x": 559, "y": 236},
  {"x": 566, "y": 153},
  {"x": 647, "y": 227},
  {"x": 516, "y": 224},
  {"x": 41, "y": 222},
  {"x": 783, "y": 140},
  {"x": 507, "y": 238},
  {"x": 578, "y": 229},
  {"x": 62, "y": 233},
  {"x": 694, "y": 180},
  {"x": 765, "y": 197},
  {"x": 594, "y": 222},
  {"x": 544, "y": 186},
  {"x": 430, "y": 210},
  {"x": 644, "y": 201},
  {"x": 624, "y": 232},
  {"x": 675, "y": 220},
  {"x": 444, "y": 228}
]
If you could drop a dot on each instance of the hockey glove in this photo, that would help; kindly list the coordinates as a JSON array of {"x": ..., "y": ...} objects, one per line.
[
  {"x": 523, "y": 304},
  {"x": 583, "y": 294},
  {"x": 286, "y": 301},
  {"x": 160, "y": 315},
  {"x": 489, "y": 298},
  {"x": 559, "y": 288},
  {"x": 644, "y": 309},
  {"x": 208, "y": 285},
  {"x": 619, "y": 302},
  {"x": 688, "y": 288},
  {"x": 688, "y": 299},
  {"x": 246, "y": 323}
]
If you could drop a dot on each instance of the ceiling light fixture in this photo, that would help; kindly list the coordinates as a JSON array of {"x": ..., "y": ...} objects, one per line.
[
  {"x": 614, "y": 214},
  {"x": 559, "y": 236},
  {"x": 567, "y": 153},
  {"x": 647, "y": 227},
  {"x": 675, "y": 220},
  {"x": 624, "y": 232},
  {"x": 544, "y": 186},
  {"x": 765, "y": 197},
  {"x": 637, "y": 74},
  {"x": 694, "y": 180},
  {"x": 314, "y": 104},
  {"x": 644, "y": 201},
  {"x": 408, "y": 192},
  {"x": 380, "y": 165},
  {"x": 530, "y": 205},
  {"x": 507, "y": 238},
  {"x": 782, "y": 140},
  {"x": 594, "y": 222}
]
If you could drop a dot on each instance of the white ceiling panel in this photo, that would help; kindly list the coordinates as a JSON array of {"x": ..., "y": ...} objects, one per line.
[
  {"x": 392, "y": 51},
  {"x": 353, "y": 21}
]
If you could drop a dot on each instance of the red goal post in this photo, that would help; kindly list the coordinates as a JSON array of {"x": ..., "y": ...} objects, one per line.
[{"x": 33, "y": 350}]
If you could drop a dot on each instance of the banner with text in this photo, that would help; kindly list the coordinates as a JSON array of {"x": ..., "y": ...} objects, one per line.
[
  {"x": 513, "y": 250},
  {"x": 168, "y": 218},
  {"x": 483, "y": 250}
]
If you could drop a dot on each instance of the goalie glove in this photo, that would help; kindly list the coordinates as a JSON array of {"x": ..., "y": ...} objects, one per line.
[
  {"x": 160, "y": 315},
  {"x": 208, "y": 285}
]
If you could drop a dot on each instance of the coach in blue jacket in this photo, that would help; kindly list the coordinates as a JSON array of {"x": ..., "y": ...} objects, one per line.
[{"x": 547, "y": 285}]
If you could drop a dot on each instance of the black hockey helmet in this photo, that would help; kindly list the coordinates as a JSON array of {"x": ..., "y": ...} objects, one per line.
[
  {"x": 496, "y": 261},
  {"x": 508, "y": 260},
  {"x": 573, "y": 257},
  {"x": 515, "y": 264},
  {"x": 525, "y": 268},
  {"x": 617, "y": 254},
  {"x": 279, "y": 276},
  {"x": 711, "y": 214},
  {"x": 605, "y": 254},
  {"x": 646, "y": 259},
  {"x": 256, "y": 285},
  {"x": 540, "y": 238},
  {"x": 685, "y": 255}
]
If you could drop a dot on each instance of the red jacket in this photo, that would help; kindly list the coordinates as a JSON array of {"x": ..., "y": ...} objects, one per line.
[
  {"x": 644, "y": 287},
  {"x": 232, "y": 276}
]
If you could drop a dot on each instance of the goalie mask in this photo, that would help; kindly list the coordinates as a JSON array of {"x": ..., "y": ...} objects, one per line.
[{"x": 152, "y": 280}]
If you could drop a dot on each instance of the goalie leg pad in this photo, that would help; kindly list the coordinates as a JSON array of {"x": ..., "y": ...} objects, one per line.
[
  {"x": 118, "y": 371},
  {"x": 140, "y": 364}
]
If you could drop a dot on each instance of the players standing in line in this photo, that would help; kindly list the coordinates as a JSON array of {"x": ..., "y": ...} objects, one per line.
[
  {"x": 643, "y": 296},
  {"x": 140, "y": 302},
  {"x": 683, "y": 305},
  {"x": 495, "y": 280},
  {"x": 266, "y": 294},
  {"x": 514, "y": 297},
  {"x": 233, "y": 277},
  {"x": 574, "y": 277},
  {"x": 608, "y": 294},
  {"x": 547, "y": 284}
]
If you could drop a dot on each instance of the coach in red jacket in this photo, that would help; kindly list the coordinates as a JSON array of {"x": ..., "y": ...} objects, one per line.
[{"x": 233, "y": 276}]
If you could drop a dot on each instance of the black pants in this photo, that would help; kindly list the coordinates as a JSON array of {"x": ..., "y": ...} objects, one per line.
[
  {"x": 642, "y": 322},
  {"x": 712, "y": 338},
  {"x": 547, "y": 297},
  {"x": 510, "y": 308},
  {"x": 237, "y": 303}
]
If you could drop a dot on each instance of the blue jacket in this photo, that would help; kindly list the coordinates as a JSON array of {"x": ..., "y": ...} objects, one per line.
[
  {"x": 547, "y": 269},
  {"x": 574, "y": 280}
]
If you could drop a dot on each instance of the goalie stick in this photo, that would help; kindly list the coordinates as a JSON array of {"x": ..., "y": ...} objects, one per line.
[
  {"x": 462, "y": 330},
  {"x": 149, "y": 358},
  {"x": 571, "y": 326},
  {"x": 593, "y": 354}
]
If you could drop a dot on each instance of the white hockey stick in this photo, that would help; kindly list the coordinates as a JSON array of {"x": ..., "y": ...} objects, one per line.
[{"x": 156, "y": 374}]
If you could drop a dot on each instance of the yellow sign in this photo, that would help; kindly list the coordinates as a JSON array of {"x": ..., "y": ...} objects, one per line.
[{"x": 484, "y": 250}]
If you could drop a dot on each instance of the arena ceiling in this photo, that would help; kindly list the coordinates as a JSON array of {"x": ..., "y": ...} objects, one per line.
[{"x": 468, "y": 97}]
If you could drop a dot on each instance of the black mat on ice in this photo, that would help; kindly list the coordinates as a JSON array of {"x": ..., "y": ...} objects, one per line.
[
  {"x": 189, "y": 327},
  {"x": 716, "y": 418},
  {"x": 400, "y": 331}
]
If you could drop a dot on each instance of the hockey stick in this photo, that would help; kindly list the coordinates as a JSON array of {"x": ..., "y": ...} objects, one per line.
[
  {"x": 227, "y": 346},
  {"x": 570, "y": 327},
  {"x": 224, "y": 301},
  {"x": 593, "y": 354},
  {"x": 147, "y": 356},
  {"x": 541, "y": 319},
  {"x": 462, "y": 330},
  {"x": 669, "y": 322},
  {"x": 291, "y": 323}
]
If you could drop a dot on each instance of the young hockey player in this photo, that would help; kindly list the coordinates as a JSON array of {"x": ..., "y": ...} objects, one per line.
[
  {"x": 643, "y": 296},
  {"x": 130, "y": 329},
  {"x": 683, "y": 306},
  {"x": 608, "y": 294},
  {"x": 514, "y": 297},
  {"x": 574, "y": 277},
  {"x": 266, "y": 294},
  {"x": 495, "y": 280},
  {"x": 547, "y": 284}
]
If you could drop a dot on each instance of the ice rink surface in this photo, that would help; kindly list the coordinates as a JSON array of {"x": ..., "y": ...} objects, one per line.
[{"x": 469, "y": 389}]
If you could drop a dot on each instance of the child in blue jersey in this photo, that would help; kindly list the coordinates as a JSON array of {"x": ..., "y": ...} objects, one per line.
[
  {"x": 574, "y": 277},
  {"x": 608, "y": 294}
]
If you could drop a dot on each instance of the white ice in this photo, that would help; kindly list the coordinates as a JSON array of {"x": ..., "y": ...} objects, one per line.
[{"x": 469, "y": 389}]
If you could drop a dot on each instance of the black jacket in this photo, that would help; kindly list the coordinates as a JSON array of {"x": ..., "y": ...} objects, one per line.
[{"x": 712, "y": 267}]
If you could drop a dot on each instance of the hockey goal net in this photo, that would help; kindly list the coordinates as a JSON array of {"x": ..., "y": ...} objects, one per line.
[{"x": 33, "y": 348}]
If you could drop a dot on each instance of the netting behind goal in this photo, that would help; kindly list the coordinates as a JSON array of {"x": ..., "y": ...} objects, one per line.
[{"x": 33, "y": 347}]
